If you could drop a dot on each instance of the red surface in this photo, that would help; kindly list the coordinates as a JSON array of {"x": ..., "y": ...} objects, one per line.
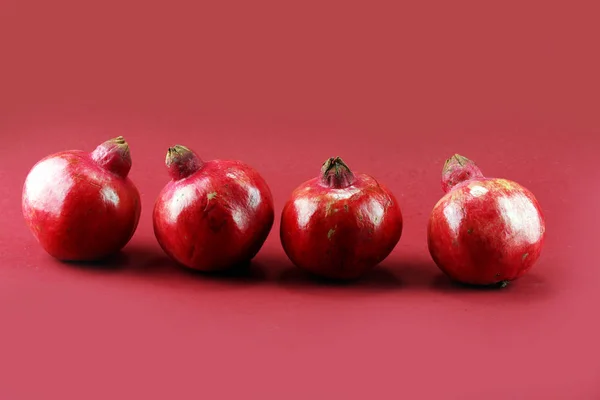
[{"x": 394, "y": 88}]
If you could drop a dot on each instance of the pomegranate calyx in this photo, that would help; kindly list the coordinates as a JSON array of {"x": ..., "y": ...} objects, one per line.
[
  {"x": 336, "y": 174},
  {"x": 458, "y": 169},
  {"x": 114, "y": 156},
  {"x": 182, "y": 162}
]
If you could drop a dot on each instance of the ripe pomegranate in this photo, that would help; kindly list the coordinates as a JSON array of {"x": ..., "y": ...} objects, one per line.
[
  {"x": 340, "y": 224},
  {"x": 81, "y": 206},
  {"x": 212, "y": 215},
  {"x": 484, "y": 231}
]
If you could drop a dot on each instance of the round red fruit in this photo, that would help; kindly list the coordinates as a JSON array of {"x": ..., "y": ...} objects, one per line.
[
  {"x": 212, "y": 215},
  {"x": 82, "y": 206},
  {"x": 484, "y": 231},
  {"x": 340, "y": 224}
]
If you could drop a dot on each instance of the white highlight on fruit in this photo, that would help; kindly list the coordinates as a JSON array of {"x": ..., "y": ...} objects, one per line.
[
  {"x": 521, "y": 217},
  {"x": 253, "y": 197},
  {"x": 305, "y": 208},
  {"x": 182, "y": 197},
  {"x": 236, "y": 174},
  {"x": 374, "y": 210},
  {"x": 47, "y": 185},
  {"x": 343, "y": 194},
  {"x": 240, "y": 218},
  {"x": 454, "y": 215},
  {"x": 477, "y": 191},
  {"x": 94, "y": 177},
  {"x": 109, "y": 195}
]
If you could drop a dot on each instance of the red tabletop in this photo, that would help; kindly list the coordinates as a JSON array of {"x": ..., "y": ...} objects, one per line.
[{"x": 393, "y": 88}]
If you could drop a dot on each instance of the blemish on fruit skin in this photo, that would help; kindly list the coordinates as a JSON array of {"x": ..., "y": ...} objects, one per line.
[
  {"x": 211, "y": 195},
  {"x": 330, "y": 233},
  {"x": 470, "y": 231},
  {"x": 506, "y": 184},
  {"x": 346, "y": 207},
  {"x": 524, "y": 256}
]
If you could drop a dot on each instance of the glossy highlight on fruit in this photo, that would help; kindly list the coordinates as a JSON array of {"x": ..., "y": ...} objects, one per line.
[
  {"x": 82, "y": 206},
  {"x": 340, "y": 224},
  {"x": 212, "y": 215},
  {"x": 484, "y": 231}
]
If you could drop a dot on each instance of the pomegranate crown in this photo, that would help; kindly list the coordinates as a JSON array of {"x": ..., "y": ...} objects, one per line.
[
  {"x": 114, "y": 156},
  {"x": 336, "y": 174},
  {"x": 182, "y": 162},
  {"x": 458, "y": 169}
]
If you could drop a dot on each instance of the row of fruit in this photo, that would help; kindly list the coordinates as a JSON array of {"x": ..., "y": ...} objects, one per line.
[{"x": 217, "y": 214}]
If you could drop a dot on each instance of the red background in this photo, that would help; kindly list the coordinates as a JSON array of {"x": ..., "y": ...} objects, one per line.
[{"x": 392, "y": 87}]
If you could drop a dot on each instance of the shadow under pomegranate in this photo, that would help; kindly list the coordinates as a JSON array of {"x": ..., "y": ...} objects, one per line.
[
  {"x": 245, "y": 272},
  {"x": 378, "y": 279},
  {"x": 530, "y": 288}
]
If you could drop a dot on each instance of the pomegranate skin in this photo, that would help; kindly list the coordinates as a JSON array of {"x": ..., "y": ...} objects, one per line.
[
  {"x": 81, "y": 206},
  {"x": 340, "y": 230},
  {"x": 212, "y": 215},
  {"x": 484, "y": 231}
]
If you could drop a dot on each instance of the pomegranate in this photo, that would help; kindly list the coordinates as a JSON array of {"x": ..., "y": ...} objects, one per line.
[
  {"x": 81, "y": 206},
  {"x": 484, "y": 231},
  {"x": 212, "y": 215},
  {"x": 340, "y": 224}
]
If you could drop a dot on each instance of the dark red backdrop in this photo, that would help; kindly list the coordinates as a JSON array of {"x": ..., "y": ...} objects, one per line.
[{"x": 392, "y": 87}]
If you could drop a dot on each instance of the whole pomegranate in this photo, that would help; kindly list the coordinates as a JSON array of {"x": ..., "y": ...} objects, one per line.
[
  {"x": 484, "y": 231},
  {"x": 81, "y": 206},
  {"x": 340, "y": 224},
  {"x": 212, "y": 215}
]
